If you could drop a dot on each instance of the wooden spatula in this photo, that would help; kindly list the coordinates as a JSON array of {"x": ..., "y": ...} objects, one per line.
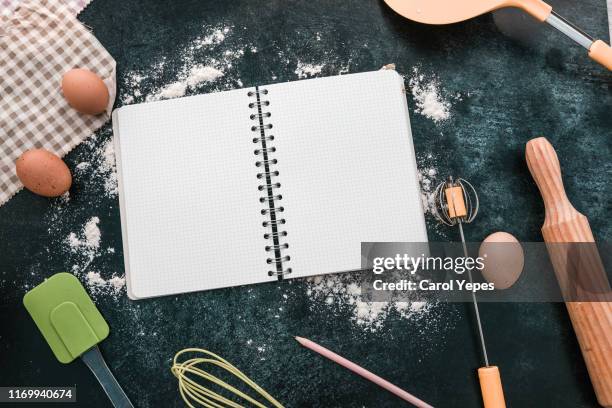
[
  {"x": 592, "y": 320},
  {"x": 453, "y": 11}
]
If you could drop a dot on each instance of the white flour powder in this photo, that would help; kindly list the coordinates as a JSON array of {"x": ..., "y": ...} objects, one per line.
[
  {"x": 343, "y": 290},
  {"x": 216, "y": 37},
  {"x": 84, "y": 247},
  {"x": 98, "y": 285},
  {"x": 428, "y": 97},
  {"x": 202, "y": 63},
  {"x": 427, "y": 178},
  {"x": 307, "y": 70},
  {"x": 101, "y": 167},
  {"x": 196, "y": 76},
  {"x": 108, "y": 168},
  {"x": 86, "y": 242}
]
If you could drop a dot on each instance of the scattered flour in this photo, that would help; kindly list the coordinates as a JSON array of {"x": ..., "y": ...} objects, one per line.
[
  {"x": 87, "y": 241},
  {"x": 97, "y": 284},
  {"x": 216, "y": 37},
  {"x": 200, "y": 74},
  {"x": 101, "y": 168},
  {"x": 344, "y": 291},
  {"x": 210, "y": 59},
  {"x": 428, "y": 97},
  {"x": 427, "y": 178},
  {"x": 196, "y": 76},
  {"x": 94, "y": 279},
  {"x": 64, "y": 198},
  {"x": 108, "y": 169},
  {"x": 203, "y": 62},
  {"x": 133, "y": 82},
  {"x": 174, "y": 90},
  {"x": 92, "y": 233},
  {"x": 84, "y": 247},
  {"x": 308, "y": 70}
]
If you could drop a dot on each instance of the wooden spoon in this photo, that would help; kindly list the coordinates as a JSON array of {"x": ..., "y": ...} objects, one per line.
[{"x": 453, "y": 11}]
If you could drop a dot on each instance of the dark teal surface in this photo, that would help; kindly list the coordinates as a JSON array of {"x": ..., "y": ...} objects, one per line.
[{"x": 517, "y": 80}]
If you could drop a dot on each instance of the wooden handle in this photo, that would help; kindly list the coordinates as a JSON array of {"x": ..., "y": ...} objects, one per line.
[
  {"x": 537, "y": 8},
  {"x": 592, "y": 321},
  {"x": 601, "y": 53},
  {"x": 491, "y": 387},
  {"x": 544, "y": 167}
]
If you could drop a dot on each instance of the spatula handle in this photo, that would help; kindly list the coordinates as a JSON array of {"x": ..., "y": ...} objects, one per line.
[
  {"x": 94, "y": 360},
  {"x": 599, "y": 51},
  {"x": 537, "y": 8},
  {"x": 592, "y": 321}
]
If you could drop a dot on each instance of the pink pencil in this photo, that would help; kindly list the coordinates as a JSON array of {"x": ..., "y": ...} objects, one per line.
[{"x": 362, "y": 372}]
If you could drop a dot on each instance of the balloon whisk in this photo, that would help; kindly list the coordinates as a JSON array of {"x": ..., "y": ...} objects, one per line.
[{"x": 456, "y": 202}]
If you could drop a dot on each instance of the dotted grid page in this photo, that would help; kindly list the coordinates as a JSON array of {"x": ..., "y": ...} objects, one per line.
[
  {"x": 347, "y": 168},
  {"x": 188, "y": 195}
]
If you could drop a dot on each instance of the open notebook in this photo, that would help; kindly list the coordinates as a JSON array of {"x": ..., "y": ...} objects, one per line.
[{"x": 246, "y": 186}]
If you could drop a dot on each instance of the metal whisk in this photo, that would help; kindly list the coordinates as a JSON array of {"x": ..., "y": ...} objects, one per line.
[
  {"x": 456, "y": 203},
  {"x": 452, "y": 193}
]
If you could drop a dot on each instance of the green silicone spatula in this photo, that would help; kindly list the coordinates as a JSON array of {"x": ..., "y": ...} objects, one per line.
[{"x": 73, "y": 326}]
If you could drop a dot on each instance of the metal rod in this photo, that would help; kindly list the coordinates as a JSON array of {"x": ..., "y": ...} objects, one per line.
[
  {"x": 474, "y": 301},
  {"x": 570, "y": 30}
]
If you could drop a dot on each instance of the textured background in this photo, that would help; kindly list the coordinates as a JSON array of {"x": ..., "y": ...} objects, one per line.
[{"x": 516, "y": 79}]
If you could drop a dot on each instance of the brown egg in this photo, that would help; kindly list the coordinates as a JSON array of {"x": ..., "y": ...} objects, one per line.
[
  {"x": 503, "y": 259},
  {"x": 85, "y": 91},
  {"x": 43, "y": 173}
]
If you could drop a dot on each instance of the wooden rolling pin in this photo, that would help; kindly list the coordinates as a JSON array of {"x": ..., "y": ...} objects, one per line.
[{"x": 592, "y": 321}]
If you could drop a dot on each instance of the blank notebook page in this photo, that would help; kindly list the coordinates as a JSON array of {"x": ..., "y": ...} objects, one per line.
[
  {"x": 347, "y": 168},
  {"x": 189, "y": 202}
]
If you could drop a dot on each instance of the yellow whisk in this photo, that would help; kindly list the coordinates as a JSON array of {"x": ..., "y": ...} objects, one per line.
[{"x": 188, "y": 372}]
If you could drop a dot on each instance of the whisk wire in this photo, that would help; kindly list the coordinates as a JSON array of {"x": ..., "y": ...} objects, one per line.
[
  {"x": 192, "y": 391},
  {"x": 442, "y": 208},
  {"x": 468, "y": 198}
]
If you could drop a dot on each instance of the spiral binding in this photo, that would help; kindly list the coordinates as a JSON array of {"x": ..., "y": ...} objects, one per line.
[{"x": 275, "y": 249}]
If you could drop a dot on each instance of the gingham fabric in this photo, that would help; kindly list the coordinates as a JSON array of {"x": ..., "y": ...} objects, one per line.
[
  {"x": 8, "y": 6},
  {"x": 39, "y": 42}
]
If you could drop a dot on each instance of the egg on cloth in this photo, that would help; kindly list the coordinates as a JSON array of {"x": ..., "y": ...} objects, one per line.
[
  {"x": 503, "y": 259},
  {"x": 85, "y": 91},
  {"x": 43, "y": 173}
]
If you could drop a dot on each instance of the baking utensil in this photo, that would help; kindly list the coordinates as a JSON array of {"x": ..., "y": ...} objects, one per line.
[
  {"x": 72, "y": 326},
  {"x": 456, "y": 203},
  {"x": 592, "y": 321},
  {"x": 357, "y": 369},
  {"x": 189, "y": 371},
  {"x": 449, "y": 11}
]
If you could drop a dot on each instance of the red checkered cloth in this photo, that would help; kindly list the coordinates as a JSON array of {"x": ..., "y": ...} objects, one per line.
[{"x": 39, "y": 42}]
